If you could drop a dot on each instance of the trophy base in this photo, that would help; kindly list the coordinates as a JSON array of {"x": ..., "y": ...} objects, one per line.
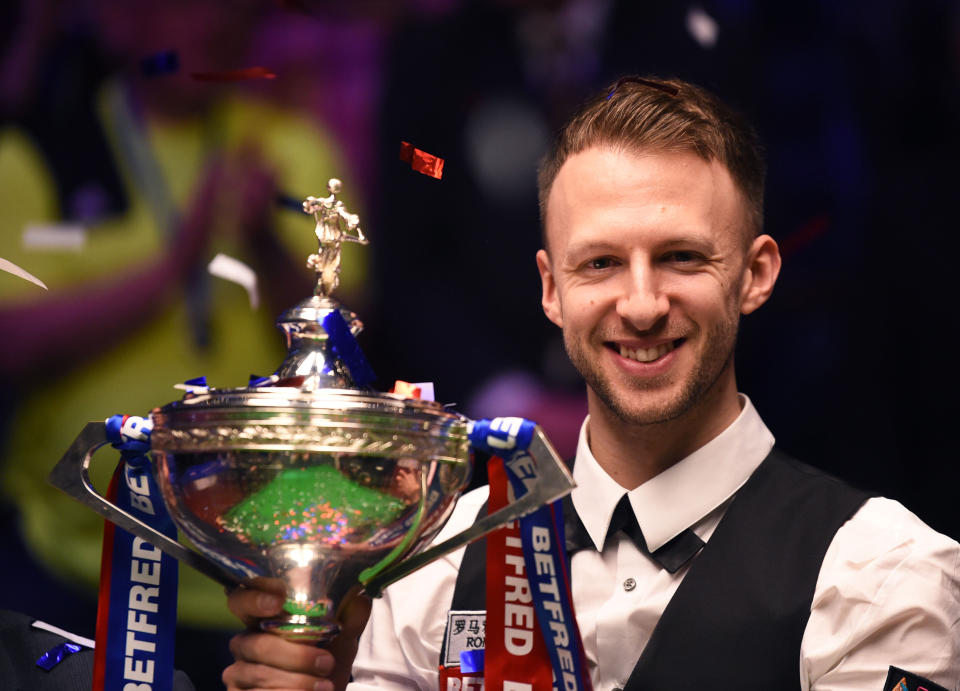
[{"x": 302, "y": 629}]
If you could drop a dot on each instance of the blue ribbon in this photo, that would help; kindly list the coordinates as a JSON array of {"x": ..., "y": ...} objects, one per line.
[
  {"x": 502, "y": 436},
  {"x": 345, "y": 347},
  {"x": 542, "y": 537},
  {"x": 52, "y": 657},
  {"x": 142, "y": 613}
]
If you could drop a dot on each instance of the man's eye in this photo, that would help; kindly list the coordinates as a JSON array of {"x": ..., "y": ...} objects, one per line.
[
  {"x": 682, "y": 257},
  {"x": 600, "y": 263}
]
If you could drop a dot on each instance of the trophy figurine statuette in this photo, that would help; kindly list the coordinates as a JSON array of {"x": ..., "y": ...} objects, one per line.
[{"x": 309, "y": 476}]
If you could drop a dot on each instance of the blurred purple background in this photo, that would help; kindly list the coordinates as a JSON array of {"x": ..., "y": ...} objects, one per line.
[{"x": 857, "y": 102}]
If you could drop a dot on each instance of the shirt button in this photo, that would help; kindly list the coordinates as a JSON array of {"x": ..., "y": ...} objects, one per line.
[{"x": 628, "y": 585}]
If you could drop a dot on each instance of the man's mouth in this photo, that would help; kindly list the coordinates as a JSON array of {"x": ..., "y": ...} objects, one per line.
[{"x": 648, "y": 354}]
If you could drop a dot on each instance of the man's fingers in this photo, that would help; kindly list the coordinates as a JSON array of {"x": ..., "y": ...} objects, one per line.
[
  {"x": 268, "y": 661},
  {"x": 261, "y": 648},
  {"x": 249, "y": 604},
  {"x": 247, "y": 675}
]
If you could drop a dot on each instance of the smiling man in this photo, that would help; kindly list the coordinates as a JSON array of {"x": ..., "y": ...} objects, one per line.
[
  {"x": 651, "y": 257},
  {"x": 701, "y": 555}
]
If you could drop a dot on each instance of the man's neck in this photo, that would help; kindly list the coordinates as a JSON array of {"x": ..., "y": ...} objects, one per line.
[{"x": 632, "y": 453}]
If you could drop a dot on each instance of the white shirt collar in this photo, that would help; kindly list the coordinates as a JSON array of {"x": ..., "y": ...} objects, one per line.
[{"x": 681, "y": 495}]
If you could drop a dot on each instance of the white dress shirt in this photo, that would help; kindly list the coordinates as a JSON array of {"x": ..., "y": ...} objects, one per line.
[{"x": 888, "y": 592}]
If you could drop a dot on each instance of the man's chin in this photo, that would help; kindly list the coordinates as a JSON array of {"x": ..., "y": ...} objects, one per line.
[
  {"x": 642, "y": 407},
  {"x": 647, "y": 416}
]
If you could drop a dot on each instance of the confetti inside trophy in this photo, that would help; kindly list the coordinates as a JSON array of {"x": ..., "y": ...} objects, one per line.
[{"x": 309, "y": 477}]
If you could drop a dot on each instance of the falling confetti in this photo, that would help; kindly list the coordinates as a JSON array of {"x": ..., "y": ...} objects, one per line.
[
  {"x": 288, "y": 202},
  {"x": 805, "y": 235},
  {"x": 421, "y": 161},
  {"x": 405, "y": 389},
  {"x": 195, "y": 385},
  {"x": 235, "y": 271},
  {"x": 159, "y": 64},
  {"x": 702, "y": 27},
  {"x": 234, "y": 75},
  {"x": 54, "y": 236},
  {"x": 12, "y": 268}
]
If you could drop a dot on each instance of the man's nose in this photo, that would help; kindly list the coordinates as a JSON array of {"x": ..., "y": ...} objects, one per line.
[{"x": 643, "y": 302}]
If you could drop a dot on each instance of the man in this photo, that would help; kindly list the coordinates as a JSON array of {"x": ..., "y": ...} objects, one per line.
[{"x": 753, "y": 571}]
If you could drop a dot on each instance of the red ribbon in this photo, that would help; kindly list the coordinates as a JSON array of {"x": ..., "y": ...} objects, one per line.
[
  {"x": 103, "y": 599},
  {"x": 515, "y": 651}
]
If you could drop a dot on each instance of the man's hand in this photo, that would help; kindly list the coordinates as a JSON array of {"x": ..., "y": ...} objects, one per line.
[{"x": 266, "y": 661}]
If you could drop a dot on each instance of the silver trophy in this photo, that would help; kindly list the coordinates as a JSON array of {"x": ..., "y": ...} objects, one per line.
[{"x": 309, "y": 477}]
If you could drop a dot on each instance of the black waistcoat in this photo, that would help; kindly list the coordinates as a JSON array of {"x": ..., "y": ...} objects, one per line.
[{"x": 737, "y": 619}]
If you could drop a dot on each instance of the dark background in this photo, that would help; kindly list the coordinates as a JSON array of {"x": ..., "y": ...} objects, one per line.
[{"x": 858, "y": 102}]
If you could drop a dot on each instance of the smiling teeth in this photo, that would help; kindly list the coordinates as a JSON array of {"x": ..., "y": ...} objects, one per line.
[{"x": 647, "y": 354}]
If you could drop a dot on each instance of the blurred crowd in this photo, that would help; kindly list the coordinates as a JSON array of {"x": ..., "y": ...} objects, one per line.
[{"x": 122, "y": 173}]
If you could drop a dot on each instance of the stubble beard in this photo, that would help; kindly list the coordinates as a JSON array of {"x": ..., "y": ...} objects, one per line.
[{"x": 630, "y": 408}]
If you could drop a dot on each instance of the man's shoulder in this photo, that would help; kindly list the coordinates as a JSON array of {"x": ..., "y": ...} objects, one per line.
[
  {"x": 884, "y": 560},
  {"x": 885, "y": 526},
  {"x": 880, "y": 525},
  {"x": 888, "y": 593}
]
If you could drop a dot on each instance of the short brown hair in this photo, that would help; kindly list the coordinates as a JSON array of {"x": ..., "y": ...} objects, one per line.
[{"x": 649, "y": 113}]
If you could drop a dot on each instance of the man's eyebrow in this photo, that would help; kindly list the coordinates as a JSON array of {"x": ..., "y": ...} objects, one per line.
[
  {"x": 589, "y": 247},
  {"x": 696, "y": 241},
  {"x": 691, "y": 240}
]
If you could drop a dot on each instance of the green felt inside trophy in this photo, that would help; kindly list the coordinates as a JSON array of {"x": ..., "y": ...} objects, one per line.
[{"x": 312, "y": 504}]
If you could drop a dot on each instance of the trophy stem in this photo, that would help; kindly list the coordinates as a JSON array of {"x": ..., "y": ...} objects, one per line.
[
  {"x": 309, "y": 574},
  {"x": 302, "y": 629}
]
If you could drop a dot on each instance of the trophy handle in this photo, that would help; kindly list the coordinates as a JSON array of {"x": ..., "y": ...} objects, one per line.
[
  {"x": 71, "y": 475},
  {"x": 554, "y": 482}
]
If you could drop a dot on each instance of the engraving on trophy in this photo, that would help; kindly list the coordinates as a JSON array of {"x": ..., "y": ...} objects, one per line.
[
  {"x": 335, "y": 225},
  {"x": 254, "y": 437}
]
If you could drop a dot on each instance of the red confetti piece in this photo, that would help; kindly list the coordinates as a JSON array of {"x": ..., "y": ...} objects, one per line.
[
  {"x": 421, "y": 161},
  {"x": 405, "y": 389},
  {"x": 427, "y": 164},
  {"x": 234, "y": 75},
  {"x": 805, "y": 235}
]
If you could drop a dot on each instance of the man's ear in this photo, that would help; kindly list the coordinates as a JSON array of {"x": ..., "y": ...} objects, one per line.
[
  {"x": 550, "y": 299},
  {"x": 760, "y": 273}
]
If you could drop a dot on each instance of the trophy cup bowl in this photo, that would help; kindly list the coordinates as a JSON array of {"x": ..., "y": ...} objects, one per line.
[
  {"x": 309, "y": 478},
  {"x": 320, "y": 490}
]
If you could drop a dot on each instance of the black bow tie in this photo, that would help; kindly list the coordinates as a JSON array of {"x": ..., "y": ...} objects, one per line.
[{"x": 670, "y": 556}]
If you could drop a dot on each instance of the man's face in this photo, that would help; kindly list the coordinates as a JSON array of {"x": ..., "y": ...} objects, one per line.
[{"x": 647, "y": 272}]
